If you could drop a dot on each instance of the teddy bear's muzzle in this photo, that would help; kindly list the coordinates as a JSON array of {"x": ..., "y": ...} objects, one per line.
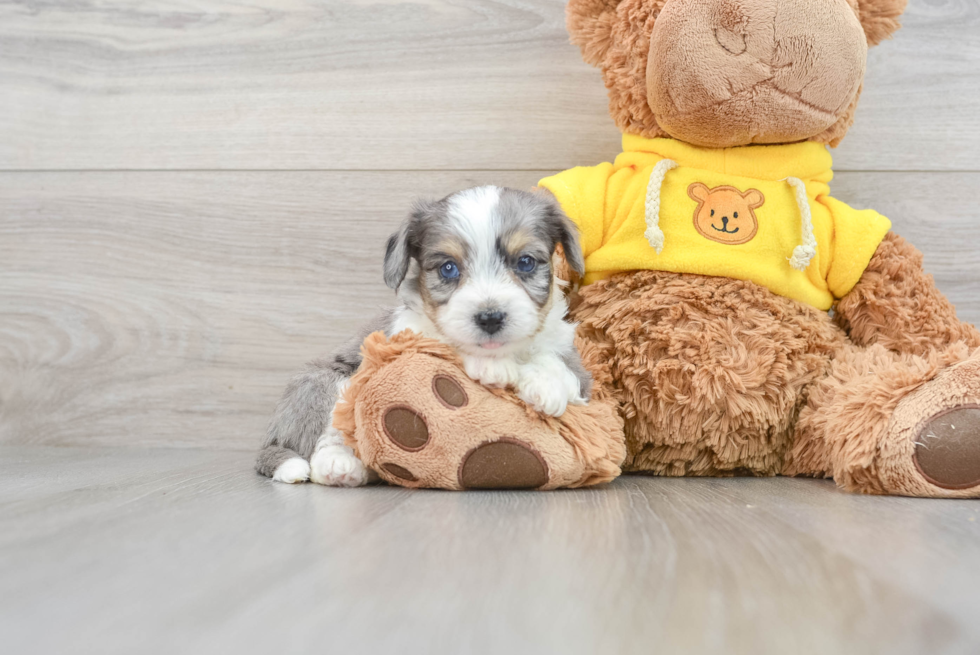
[{"x": 725, "y": 73}]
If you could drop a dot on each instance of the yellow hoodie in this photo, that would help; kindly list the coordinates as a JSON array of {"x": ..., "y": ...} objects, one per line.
[{"x": 759, "y": 213}]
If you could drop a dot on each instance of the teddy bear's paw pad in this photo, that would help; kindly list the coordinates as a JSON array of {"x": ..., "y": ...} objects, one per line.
[
  {"x": 947, "y": 450},
  {"x": 399, "y": 472},
  {"x": 449, "y": 392},
  {"x": 503, "y": 464},
  {"x": 406, "y": 428}
]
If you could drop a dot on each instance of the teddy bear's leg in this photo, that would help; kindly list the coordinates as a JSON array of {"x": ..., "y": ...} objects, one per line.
[
  {"x": 896, "y": 304},
  {"x": 885, "y": 422},
  {"x": 709, "y": 372}
]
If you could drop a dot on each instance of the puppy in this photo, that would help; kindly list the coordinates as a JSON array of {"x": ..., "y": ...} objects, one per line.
[{"x": 473, "y": 270}]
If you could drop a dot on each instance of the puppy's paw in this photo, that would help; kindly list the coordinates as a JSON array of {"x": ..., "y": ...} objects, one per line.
[
  {"x": 549, "y": 389},
  {"x": 337, "y": 466},
  {"x": 491, "y": 371},
  {"x": 543, "y": 398},
  {"x": 293, "y": 470}
]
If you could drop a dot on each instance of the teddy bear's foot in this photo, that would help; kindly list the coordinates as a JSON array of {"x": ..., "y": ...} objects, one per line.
[
  {"x": 418, "y": 420},
  {"x": 932, "y": 444},
  {"x": 886, "y": 423},
  {"x": 947, "y": 449}
]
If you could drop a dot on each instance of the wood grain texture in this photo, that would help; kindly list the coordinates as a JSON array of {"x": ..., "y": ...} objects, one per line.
[
  {"x": 160, "y": 309},
  {"x": 159, "y": 551},
  {"x": 395, "y": 84},
  {"x": 170, "y": 308}
]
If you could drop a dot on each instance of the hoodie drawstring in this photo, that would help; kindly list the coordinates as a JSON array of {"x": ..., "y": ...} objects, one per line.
[
  {"x": 654, "y": 234},
  {"x": 804, "y": 253}
]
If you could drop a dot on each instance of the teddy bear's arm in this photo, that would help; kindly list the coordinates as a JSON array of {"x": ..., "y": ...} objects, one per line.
[{"x": 896, "y": 304}]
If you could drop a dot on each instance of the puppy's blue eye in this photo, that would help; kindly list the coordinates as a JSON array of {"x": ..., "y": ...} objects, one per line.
[
  {"x": 526, "y": 264},
  {"x": 449, "y": 271}
]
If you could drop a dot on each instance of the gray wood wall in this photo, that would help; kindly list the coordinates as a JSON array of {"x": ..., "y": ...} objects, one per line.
[{"x": 194, "y": 195}]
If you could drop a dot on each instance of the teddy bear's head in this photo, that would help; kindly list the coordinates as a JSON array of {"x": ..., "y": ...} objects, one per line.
[{"x": 722, "y": 73}]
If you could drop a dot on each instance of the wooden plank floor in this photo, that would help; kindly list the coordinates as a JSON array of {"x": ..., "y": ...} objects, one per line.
[{"x": 160, "y": 551}]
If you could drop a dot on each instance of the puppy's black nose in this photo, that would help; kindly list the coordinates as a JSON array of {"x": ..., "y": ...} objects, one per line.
[{"x": 490, "y": 322}]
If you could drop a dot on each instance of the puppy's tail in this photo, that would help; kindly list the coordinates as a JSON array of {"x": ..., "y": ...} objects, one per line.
[{"x": 282, "y": 464}]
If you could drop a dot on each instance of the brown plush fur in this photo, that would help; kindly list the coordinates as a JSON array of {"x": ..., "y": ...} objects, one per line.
[
  {"x": 896, "y": 304},
  {"x": 859, "y": 423},
  {"x": 879, "y": 18},
  {"x": 710, "y": 371},
  {"x": 711, "y": 374}
]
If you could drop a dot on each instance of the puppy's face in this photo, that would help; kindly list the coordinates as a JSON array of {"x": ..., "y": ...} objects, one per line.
[{"x": 478, "y": 264}]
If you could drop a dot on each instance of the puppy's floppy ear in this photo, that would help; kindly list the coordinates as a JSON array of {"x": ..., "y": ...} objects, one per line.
[
  {"x": 404, "y": 244},
  {"x": 562, "y": 230}
]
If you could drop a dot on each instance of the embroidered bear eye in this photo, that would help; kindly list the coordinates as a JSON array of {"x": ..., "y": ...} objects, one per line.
[
  {"x": 735, "y": 214},
  {"x": 712, "y": 212}
]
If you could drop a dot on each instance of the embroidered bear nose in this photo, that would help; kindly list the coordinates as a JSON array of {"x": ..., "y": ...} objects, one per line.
[{"x": 490, "y": 322}]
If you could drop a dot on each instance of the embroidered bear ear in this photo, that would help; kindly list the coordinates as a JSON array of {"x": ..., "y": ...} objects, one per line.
[
  {"x": 698, "y": 192},
  {"x": 879, "y": 18},
  {"x": 754, "y": 197}
]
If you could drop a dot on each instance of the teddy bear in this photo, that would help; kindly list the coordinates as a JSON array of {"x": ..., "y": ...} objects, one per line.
[
  {"x": 738, "y": 317},
  {"x": 816, "y": 346}
]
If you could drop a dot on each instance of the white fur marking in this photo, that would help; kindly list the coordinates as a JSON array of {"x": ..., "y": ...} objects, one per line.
[
  {"x": 408, "y": 319},
  {"x": 473, "y": 213},
  {"x": 293, "y": 470}
]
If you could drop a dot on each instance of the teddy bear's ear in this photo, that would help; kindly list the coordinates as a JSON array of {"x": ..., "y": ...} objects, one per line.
[
  {"x": 590, "y": 24},
  {"x": 879, "y": 18}
]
